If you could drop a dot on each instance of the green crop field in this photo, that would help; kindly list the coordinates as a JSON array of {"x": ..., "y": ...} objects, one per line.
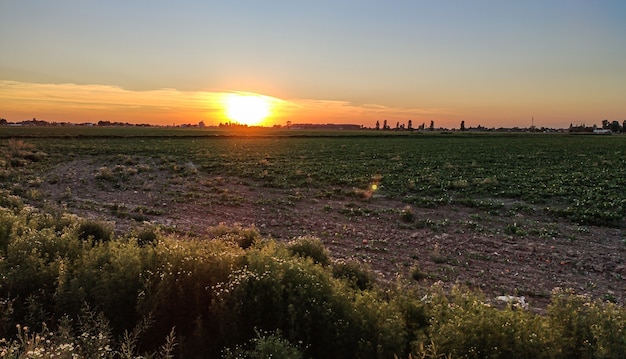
[{"x": 580, "y": 178}]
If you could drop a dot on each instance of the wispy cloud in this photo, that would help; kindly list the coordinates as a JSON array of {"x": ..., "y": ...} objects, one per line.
[{"x": 77, "y": 102}]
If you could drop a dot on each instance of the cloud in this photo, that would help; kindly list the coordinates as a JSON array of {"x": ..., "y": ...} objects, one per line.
[{"x": 92, "y": 102}]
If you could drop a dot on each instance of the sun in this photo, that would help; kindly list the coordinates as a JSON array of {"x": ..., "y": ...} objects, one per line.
[{"x": 247, "y": 109}]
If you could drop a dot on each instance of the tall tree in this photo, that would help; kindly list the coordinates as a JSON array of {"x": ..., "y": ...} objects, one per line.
[
  {"x": 615, "y": 127},
  {"x": 462, "y": 125},
  {"x": 605, "y": 124}
]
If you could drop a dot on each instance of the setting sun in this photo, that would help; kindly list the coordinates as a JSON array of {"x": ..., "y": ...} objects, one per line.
[{"x": 247, "y": 109}]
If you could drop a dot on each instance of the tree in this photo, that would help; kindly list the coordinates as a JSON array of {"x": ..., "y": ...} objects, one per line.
[
  {"x": 377, "y": 125},
  {"x": 624, "y": 126},
  {"x": 432, "y": 126},
  {"x": 615, "y": 127},
  {"x": 462, "y": 125},
  {"x": 398, "y": 125},
  {"x": 385, "y": 127},
  {"x": 605, "y": 124},
  {"x": 410, "y": 124}
]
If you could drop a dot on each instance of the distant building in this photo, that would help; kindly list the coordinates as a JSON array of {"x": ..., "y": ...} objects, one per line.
[{"x": 602, "y": 131}]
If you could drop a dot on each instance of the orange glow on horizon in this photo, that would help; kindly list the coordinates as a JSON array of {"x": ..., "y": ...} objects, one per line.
[{"x": 77, "y": 103}]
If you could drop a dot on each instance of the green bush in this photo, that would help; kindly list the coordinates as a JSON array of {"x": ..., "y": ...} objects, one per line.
[
  {"x": 464, "y": 325},
  {"x": 357, "y": 273},
  {"x": 266, "y": 345},
  {"x": 179, "y": 290},
  {"x": 586, "y": 328},
  {"x": 302, "y": 300},
  {"x": 196, "y": 297},
  {"x": 310, "y": 247},
  {"x": 94, "y": 231},
  {"x": 243, "y": 237}
]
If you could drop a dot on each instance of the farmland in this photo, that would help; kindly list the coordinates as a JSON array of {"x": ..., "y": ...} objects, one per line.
[
  {"x": 513, "y": 187},
  {"x": 508, "y": 214}
]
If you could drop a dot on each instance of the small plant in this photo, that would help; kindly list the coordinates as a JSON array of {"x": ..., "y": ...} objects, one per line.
[
  {"x": 416, "y": 273},
  {"x": 357, "y": 273},
  {"x": 94, "y": 231},
  {"x": 265, "y": 345},
  {"x": 437, "y": 257},
  {"x": 408, "y": 214},
  {"x": 146, "y": 237},
  {"x": 514, "y": 229},
  {"x": 105, "y": 173},
  {"x": 243, "y": 237},
  {"x": 310, "y": 247}
]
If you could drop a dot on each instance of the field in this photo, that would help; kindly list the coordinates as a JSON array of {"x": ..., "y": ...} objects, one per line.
[{"x": 506, "y": 214}]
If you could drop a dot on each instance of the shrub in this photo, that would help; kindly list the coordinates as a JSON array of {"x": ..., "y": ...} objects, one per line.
[
  {"x": 94, "y": 231},
  {"x": 408, "y": 214},
  {"x": 302, "y": 299},
  {"x": 265, "y": 345},
  {"x": 84, "y": 299},
  {"x": 585, "y": 328},
  {"x": 355, "y": 272},
  {"x": 243, "y": 237},
  {"x": 464, "y": 325},
  {"x": 147, "y": 236},
  {"x": 10, "y": 201},
  {"x": 180, "y": 284},
  {"x": 416, "y": 273},
  {"x": 310, "y": 247}
]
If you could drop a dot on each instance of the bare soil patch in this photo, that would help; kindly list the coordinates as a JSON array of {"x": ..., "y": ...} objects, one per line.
[{"x": 505, "y": 253}]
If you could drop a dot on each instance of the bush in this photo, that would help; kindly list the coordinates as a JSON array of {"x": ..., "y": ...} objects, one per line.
[
  {"x": 408, "y": 214},
  {"x": 266, "y": 345},
  {"x": 310, "y": 247},
  {"x": 180, "y": 287},
  {"x": 272, "y": 298},
  {"x": 302, "y": 300},
  {"x": 358, "y": 274},
  {"x": 464, "y": 325},
  {"x": 243, "y": 237},
  {"x": 146, "y": 236},
  {"x": 585, "y": 328},
  {"x": 94, "y": 231}
]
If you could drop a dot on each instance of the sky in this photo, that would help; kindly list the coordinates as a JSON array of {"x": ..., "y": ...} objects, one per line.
[{"x": 493, "y": 63}]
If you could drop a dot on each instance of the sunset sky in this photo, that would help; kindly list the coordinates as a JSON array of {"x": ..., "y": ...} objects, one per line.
[{"x": 488, "y": 62}]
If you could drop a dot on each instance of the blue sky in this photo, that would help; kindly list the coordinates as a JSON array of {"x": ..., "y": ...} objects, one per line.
[{"x": 488, "y": 62}]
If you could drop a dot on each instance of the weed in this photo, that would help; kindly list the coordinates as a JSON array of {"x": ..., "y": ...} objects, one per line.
[
  {"x": 243, "y": 237},
  {"x": 357, "y": 273},
  {"x": 94, "y": 231},
  {"x": 514, "y": 229},
  {"x": 407, "y": 214},
  {"x": 310, "y": 247},
  {"x": 417, "y": 274}
]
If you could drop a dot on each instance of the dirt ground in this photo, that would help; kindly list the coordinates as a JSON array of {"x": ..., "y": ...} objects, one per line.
[{"x": 520, "y": 253}]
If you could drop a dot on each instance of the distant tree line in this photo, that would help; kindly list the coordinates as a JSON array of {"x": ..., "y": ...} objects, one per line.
[
  {"x": 612, "y": 126},
  {"x": 36, "y": 122}
]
